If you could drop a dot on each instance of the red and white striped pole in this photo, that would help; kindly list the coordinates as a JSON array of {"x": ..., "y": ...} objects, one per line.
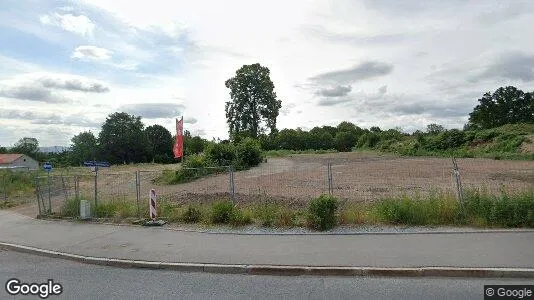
[{"x": 153, "y": 211}]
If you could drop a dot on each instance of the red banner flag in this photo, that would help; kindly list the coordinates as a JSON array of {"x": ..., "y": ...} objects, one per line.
[{"x": 179, "y": 144}]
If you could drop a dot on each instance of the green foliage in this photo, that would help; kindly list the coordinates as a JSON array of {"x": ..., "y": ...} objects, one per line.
[
  {"x": 282, "y": 153},
  {"x": 70, "y": 208},
  {"x": 118, "y": 209},
  {"x": 123, "y": 140},
  {"x": 193, "y": 167},
  {"x": 267, "y": 214},
  {"x": 84, "y": 147},
  {"x": 507, "y": 105},
  {"x": 225, "y": 212},
  {"x": 253, "y": 101},
  {"x": 504, "y": 210},
  {"x": 436, "y": 209},
  {"x": 344, "y": 141},
  {"x": 240, "y": 217},
  {"x": 248, "y": 153},
  {"x": 193, "y": 145},
  {"x": 322, "y": 213},
  {"x": 434, "y": 128},
  {"x": 368, "y": 140},
  {"x": 222, "y": 212},
  {"x": 160, "y": 143},
  {"x": 221, "y": 154},
  {"x": 15, "y": 183},
  {"x": 26, "y": 145},
  {"x": 192, "y": 214}
]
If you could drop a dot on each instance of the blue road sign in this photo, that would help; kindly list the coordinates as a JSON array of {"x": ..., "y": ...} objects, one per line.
[
  {"x": 92, "y": 163},
  {"x": 47, "y": 166}
]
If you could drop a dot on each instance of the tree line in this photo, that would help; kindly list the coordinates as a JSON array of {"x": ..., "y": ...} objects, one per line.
[{"x": 252, "y": 113}]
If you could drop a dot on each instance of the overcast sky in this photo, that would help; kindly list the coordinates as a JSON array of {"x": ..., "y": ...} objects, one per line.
[{"x": 66, "y": 65}]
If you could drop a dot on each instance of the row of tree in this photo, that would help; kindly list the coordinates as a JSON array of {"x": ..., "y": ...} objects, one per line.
[{"x": 252, "y": 112}]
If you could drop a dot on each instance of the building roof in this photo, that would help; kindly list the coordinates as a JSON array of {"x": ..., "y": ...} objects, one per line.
[{"x": 9, "y": 158}]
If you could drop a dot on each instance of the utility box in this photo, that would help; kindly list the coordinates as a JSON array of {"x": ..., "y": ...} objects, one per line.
[{"x": 85, "y": 209}]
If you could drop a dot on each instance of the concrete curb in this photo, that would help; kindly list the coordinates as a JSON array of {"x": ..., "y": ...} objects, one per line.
[{"x": 279, "y": 270}]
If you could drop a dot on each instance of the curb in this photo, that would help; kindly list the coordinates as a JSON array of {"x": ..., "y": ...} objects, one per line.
[{"x": 278, "y": 270}]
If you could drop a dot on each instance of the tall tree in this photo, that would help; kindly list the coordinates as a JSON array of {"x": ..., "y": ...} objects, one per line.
[
  {"x": 122, "y": 139},
  {"x": 253, "y": 106},
  {"x": 84, "y": 147},
  {"x": 26, "y": 145},
  {"x": 160, "y": 141},
  {"x": 507, "y": 105},
  {"x": 434, "y": 128}
]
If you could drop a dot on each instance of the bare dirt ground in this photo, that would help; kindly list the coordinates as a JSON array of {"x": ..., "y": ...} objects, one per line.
[
  {"x": 357, "y": 177},
  {"x": 295, "y": 179}
]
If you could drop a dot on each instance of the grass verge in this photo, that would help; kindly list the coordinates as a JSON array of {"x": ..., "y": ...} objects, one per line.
[{"x": 478, "y": 209}]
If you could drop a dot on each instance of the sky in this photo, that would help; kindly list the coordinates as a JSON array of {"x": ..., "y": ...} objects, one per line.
[{"x": 67, "y": 65}]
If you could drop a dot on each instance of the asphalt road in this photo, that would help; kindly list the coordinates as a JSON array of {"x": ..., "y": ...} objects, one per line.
[{"x": 81, "y": 281}]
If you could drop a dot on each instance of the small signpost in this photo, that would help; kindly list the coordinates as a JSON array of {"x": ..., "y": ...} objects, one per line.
[{"x": 94, "y": 167}]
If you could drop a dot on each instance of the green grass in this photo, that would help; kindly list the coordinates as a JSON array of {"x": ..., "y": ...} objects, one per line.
[
  {"x": 478, "y": 208},
  {"x": 16, "y": 183},
  {"x": 282, "y": 153}
]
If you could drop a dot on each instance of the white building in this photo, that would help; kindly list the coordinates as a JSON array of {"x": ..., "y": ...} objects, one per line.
[{"x": 18, "y": 161}]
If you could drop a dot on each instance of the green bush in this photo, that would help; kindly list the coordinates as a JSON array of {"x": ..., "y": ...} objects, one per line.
[
  {"x": 193, "y": 167},
  {"x": 222, "y": 211},
  {"x": 192, "y": 214},
  {"x": 240, "y": 218},
  {"x": 266, "y": 214},
  {"x": 435, "y": 209},
  {"x": 221, "y": 154},
  {"x": 248, "y": 153},
  {"x": 504, "y": 210},
  {"x": 368, "y": 140},
  {"x": 322, "y": 213}
]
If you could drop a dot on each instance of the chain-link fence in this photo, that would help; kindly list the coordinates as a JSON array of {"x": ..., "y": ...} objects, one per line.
[{"x": 293, "y": 180}]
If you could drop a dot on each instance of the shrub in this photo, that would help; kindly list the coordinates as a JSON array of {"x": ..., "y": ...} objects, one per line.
[
  {"x": 344, "y": 141},
  {"x": 368, "y": 140},
  {"x": 504, "y": 210},
  {"x": 240, "y": 218},
  {"x": 222, "y": 211},
  {"x": 266, "y": 214},
  {"x": 193, "y": 167},
  {"x": 322, "y": 212},
  {"x": 221, "y": 154},
  {"x": 285, "y": 218},
  {"x": 248, "y": 153},
  {"x": 192, "y": 214}
]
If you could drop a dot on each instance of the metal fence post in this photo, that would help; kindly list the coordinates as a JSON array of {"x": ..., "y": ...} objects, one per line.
[
  {"x": 77, "y": 187},
  {"x": 38, "y": 193},
  {"x": 456, "y": 172},
  {"x": 96, "y": 191},
  {"x": 330, "y": 183},
  {"x": 138, "y": 191},
  {"x": 232, "y": 183},
  {"x": 49, "y": 195}
]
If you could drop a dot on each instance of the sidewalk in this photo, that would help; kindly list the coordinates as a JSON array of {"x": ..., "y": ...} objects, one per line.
[{"x": 463, "y": 250}]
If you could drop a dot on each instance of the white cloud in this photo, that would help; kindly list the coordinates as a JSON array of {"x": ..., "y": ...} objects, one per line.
[
  {"x": 91, "y": 53},
  {"x": 78, "y": 24},
  {"x": 414, "y": 46}
]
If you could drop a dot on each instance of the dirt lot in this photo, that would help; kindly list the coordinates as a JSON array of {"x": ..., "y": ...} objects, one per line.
[
  {"x": 366, "y": 177},
  {"x": 295, "y": 179}
]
